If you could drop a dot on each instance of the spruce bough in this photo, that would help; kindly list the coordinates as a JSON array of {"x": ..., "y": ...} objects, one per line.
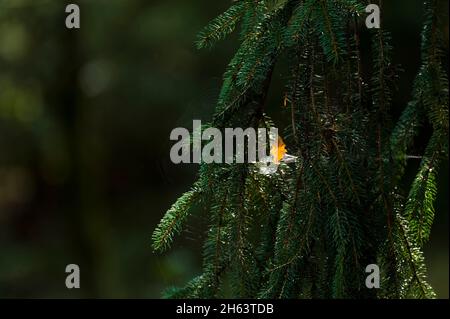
[{"x": 310, "y": 230}]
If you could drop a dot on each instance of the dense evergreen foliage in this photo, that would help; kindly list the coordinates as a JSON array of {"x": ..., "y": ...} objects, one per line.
[{"x": 310, "y": 230}]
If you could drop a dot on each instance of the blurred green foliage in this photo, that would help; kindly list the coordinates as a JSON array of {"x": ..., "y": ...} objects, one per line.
[{"x": 85, "y": 117}]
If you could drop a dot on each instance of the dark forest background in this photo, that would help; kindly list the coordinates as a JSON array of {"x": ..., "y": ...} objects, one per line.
[{"x": 85, "y": 118}]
